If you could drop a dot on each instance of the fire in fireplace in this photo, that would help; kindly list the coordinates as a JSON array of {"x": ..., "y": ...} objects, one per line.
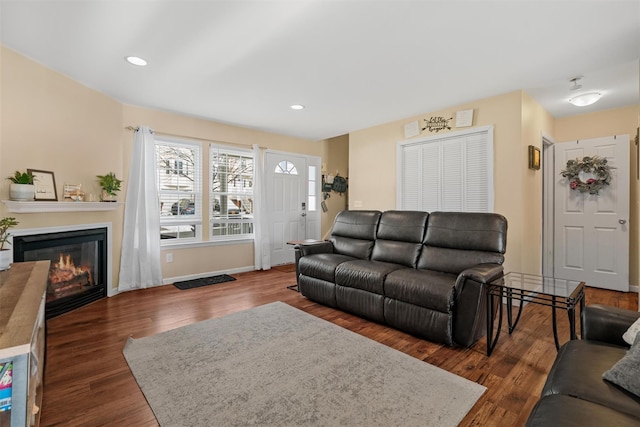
[
  {"x": 66, "y": 279},
  {"x": 77, "y": 275}
]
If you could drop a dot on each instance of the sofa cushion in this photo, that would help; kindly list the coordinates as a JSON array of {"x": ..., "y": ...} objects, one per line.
[
  {"x": 364, "y": 274},
  {"x": 399, "y": 237},
  {"x": 354, "y": 232},
  {"x": 559, "y": 410},
  {"x": 322, "y": 266},
  {"x": 424, "y": 288},
  {"x": 577, "y": 371},
  {"x": 626, "y": 372},
  {"x": 486, "y": 232}
]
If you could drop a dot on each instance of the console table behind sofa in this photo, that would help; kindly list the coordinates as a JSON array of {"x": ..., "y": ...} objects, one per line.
[{"x": 422, "y": 273}]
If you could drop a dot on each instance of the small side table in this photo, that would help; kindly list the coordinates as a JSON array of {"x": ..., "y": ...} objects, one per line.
[
  {"x": 549, "y": 291},
  {"x": 295, "y": 244}
]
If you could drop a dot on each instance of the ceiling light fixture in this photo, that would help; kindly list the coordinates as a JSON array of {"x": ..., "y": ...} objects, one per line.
[
  {"x": 297, "y": 107},
  {"x": 136, "y": 60},
  {"x": 585, "y": 99}
]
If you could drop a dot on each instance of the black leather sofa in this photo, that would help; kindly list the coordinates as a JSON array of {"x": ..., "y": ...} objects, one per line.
[
  {"x": 421, "y": 273},
  {"x": 575, "y": 394}
]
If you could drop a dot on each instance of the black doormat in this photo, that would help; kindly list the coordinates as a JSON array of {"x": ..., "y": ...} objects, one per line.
[{"x": 203, "y": 281}]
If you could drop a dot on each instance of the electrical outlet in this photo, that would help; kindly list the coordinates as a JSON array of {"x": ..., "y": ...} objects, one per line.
[{"x": 169, "y": 257}]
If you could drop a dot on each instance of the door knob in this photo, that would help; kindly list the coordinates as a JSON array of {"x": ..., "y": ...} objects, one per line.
[{"x": 622, "y": 221}]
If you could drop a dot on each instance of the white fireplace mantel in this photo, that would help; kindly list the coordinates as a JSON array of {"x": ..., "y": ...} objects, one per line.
[{"x": 38, "y": 207}]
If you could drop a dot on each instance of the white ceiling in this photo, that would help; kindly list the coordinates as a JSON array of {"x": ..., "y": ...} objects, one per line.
[{"x": 352, "y": 63}]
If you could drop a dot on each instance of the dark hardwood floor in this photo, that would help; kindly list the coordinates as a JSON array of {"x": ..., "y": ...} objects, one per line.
[{"x": 88, "y": 382}]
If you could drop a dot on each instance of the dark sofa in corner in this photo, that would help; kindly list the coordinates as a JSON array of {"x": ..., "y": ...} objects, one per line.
[
  {"x": 575, "y": 394},
  {"x": 421, "y": 273}
]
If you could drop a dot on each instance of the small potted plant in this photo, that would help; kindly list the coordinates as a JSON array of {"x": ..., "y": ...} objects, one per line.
[
  {"x": 5, "y": 254},
  {"x": 110, "y": 186},
  {"x": 22, "y": 188}
]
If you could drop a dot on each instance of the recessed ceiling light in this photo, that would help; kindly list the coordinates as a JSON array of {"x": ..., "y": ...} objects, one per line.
[
  {"x": 297, "y": 107},
  {"x": 136, "y": 60}
]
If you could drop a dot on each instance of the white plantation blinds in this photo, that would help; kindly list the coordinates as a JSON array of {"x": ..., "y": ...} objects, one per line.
[{"x": 451, "y": 172}]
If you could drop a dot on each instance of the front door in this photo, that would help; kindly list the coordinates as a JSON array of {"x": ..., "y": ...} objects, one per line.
[
  {"x": 286, "y": 203},
  {"x": 591, "y": 241}
]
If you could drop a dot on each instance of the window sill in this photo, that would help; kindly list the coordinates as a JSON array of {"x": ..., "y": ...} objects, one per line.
[
  {"x": 204, "y": 244},
  {"x": 38, "y": 207}
]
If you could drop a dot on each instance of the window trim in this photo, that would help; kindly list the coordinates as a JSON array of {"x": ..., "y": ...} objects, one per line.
[
  {"x": 197, "y": 218},
  {"x": 236, "y": 238}
]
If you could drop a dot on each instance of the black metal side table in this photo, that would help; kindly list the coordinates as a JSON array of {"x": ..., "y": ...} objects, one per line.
[{"x": 528, "y": 288}]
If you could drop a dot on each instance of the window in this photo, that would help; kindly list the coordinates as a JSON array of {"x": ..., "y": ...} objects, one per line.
[
  {"x": 286, "y": 167},
  {"x": 451, "y": 172},
  {"x": 180, "y": 190},
  {"x": 231, "y": 196},
  {"x": 312, "y": 197}
]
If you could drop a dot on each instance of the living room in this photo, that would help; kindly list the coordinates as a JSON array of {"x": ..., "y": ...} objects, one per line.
[{"x": 52, "y": 122}]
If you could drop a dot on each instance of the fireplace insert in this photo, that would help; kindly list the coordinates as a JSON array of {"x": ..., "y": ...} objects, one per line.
[{"x": 77, "y": 275}]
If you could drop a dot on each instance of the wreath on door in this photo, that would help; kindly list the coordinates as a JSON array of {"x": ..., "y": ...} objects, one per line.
[{"x": 593, "y": 165}]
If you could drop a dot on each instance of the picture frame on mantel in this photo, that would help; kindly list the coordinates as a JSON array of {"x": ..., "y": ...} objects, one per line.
[{"x": 45, "y": 185}]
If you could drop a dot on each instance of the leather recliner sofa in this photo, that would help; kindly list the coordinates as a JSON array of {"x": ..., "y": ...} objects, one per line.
[
  {"x": 575, "y": 394},
  {"x": 421, "y": 273}
]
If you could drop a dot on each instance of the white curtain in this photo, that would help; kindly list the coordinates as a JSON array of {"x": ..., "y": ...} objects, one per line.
[
  {"x": 261, "y": 243},
  {"x": 140, "y": 261}
]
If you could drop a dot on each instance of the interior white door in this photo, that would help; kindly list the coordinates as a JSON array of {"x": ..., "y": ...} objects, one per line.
[
  {"x": 286, "y": 177},
  {"x": 591, "y": 241}
]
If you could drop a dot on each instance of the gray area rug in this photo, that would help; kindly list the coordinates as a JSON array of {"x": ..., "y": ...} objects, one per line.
[{"x": 275, "y": 365}]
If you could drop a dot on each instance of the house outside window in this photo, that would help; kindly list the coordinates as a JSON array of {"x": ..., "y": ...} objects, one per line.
[
  {"x": 231, "y": 198},
  {"x": 180, "y": 191}
]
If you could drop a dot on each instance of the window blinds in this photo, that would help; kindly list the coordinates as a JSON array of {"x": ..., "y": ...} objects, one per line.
[{"x": 452, "y": 172}]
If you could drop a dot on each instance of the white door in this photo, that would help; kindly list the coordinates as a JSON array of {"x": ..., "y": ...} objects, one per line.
[
  {"x": 286, "y": 203},
  {"x": 591, "y": 241}
]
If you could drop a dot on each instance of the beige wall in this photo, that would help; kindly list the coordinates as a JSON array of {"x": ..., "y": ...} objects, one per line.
[
  {"x": 619, "y": 121},
  {"x": 51, "y": 122},
  {"x": 372, "y": 164},
  {"x": 535, "y": 123},
  {"x": 212, "y": 258},
  {"x": 337, "y": 162},
  {"x": 519, "y": 121}
]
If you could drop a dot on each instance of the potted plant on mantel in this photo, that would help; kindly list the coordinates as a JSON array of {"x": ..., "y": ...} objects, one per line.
[
  {"x": 22, "y": 188},
  {"x": 5, "y": 254},
  {"x": 110, "y": 187}
]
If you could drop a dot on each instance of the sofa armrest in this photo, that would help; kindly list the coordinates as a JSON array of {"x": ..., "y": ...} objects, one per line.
[
  {"x": 315, "y": 248},
  {"x": 481, "y": 273},
  {"x": 607, "y": 324},
  {"x": 470, "y": 302}
]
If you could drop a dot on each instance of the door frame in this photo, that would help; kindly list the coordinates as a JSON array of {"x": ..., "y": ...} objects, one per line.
[
  {"x": 310, "y": 161},
  {"x": 548, "y": 197}
]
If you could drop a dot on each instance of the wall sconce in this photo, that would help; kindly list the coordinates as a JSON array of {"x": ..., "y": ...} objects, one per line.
[{"x": 534, "y": 157}]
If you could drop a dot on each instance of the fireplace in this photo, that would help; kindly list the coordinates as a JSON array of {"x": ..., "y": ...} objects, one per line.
[{"x": 78, "y": 271}]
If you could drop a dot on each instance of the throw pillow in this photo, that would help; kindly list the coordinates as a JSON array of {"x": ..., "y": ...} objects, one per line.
[
  {"x": 632, "y": 332},
  {"x": 626, "y": 372}
]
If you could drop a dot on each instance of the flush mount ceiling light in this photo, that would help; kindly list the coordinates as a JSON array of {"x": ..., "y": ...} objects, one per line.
[
  {"x": 297, "y": 107},
  {"x": 136, "y": 60},
  {"x": 585, "y": 99}
]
